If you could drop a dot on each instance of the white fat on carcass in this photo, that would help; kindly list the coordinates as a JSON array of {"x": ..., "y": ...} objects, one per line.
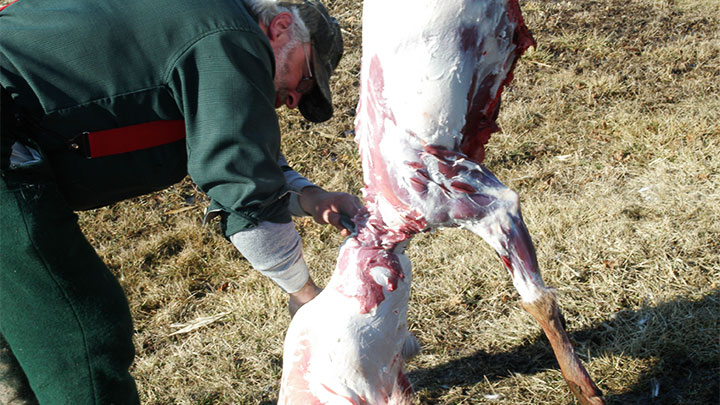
[
  {"x": 430, "y": 71},
  {"x": 351, "y": 353},
  {"x": 421, "y": 94}
]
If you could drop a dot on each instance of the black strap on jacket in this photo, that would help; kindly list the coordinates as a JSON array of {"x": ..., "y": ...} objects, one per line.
[
  {"x": 17, "y": 125},
  {"x": 8, "y": 130}
]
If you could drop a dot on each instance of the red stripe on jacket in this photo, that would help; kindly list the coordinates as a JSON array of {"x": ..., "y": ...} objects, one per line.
[
  {"x": 134, "y": 137},
  {"x": 3, "y": 7}
]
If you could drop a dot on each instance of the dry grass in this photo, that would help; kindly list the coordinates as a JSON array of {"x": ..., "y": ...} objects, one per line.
[{"x": 611, "y": 136}]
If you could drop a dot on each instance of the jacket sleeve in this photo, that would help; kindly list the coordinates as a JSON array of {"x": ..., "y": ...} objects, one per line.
[{"x": 224, "y": 85}]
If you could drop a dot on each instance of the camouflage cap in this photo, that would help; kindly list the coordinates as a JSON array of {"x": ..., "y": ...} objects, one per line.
[{"x": 327, "y": 49}]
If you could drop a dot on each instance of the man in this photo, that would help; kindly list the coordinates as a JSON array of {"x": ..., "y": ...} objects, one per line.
[{"x": 103, "y": 101}]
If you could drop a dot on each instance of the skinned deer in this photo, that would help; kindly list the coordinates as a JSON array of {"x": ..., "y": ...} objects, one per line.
[{"x": 429, "y": 96}]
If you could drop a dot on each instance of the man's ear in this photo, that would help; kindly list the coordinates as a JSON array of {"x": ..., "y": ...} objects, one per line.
[{"x": 280, "y": 26}]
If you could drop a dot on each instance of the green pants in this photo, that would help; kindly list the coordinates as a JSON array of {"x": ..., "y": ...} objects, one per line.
[{"x": 64, "y": 315}]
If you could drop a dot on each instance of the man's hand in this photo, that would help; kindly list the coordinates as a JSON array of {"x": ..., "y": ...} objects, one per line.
[{"x": 327, "y": 207}]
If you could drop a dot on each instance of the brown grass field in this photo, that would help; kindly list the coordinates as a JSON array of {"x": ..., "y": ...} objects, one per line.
[{"x": 610, "y": 134}]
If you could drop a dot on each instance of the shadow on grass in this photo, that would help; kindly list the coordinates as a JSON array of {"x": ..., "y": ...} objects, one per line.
[{"x": 680, "y": 338}]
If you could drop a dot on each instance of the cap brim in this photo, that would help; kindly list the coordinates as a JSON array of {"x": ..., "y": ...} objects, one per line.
[{"x": 316, "y": 106}]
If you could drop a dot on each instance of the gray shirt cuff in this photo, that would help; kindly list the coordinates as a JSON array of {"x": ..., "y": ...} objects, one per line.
[
  {"x": 275, "y": 250},
  {"x": 295, "y": 183}
]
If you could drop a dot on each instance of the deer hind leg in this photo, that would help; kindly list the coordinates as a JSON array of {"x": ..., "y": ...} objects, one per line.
[
  {"x": 518, "y": 254},
  {"x": 492, "y": 211},
  {"x": 541, "y": 303}
]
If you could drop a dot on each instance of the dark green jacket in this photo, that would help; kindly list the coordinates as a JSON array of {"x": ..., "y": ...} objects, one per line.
[{"x": 87, "y": 65}]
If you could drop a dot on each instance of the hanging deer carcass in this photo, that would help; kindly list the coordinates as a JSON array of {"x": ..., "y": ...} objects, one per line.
[{"x": 430, "y": 93}]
